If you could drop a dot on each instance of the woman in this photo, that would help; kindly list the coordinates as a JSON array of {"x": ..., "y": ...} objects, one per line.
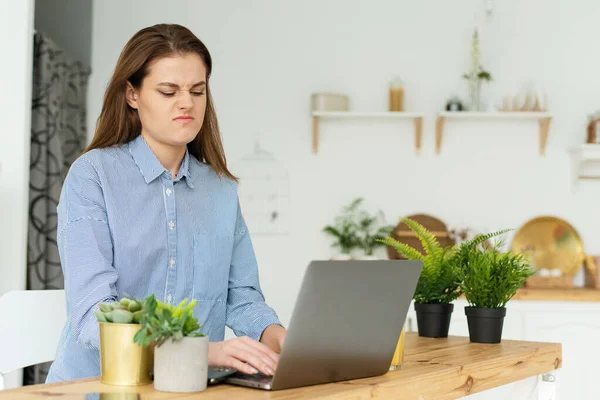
[{"x": 150, "y": 207}]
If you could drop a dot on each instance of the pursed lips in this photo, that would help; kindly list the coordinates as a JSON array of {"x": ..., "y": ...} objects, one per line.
[{"x": 184, "y": 119}]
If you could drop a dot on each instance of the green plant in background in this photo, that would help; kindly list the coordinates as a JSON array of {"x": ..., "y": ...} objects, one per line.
[
  {"x": 370, "y": 233},
  {"x": 438, "y": 283},
  {"x": 344, "y": 229},
  {"x": 490, "y": 277},
  {"x": 161, "y": 321},
  {"x": 124, "y": 311},
  {"x": 355, "y": 228},
  {"x": 476, "y": 74}
]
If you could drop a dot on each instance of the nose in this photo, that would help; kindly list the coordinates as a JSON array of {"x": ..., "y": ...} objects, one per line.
[{"x": 185, "y": 102}]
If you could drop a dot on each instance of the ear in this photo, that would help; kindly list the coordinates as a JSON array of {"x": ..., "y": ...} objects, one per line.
[{"x": 131, "y": 95}]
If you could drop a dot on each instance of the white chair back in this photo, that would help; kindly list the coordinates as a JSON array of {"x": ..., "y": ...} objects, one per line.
[{"x": 31, "y": 323}]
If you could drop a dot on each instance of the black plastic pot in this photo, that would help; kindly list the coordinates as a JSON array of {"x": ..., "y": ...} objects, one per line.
[
  {"x": 433, "y": 320},
  {"x": 485, "y": 324}
]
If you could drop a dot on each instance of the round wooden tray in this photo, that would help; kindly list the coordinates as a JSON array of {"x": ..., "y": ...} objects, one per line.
[{"x": 552, "y": 243}]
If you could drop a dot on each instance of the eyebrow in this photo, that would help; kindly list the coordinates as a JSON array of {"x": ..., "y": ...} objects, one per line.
[{"x": 175, "y": 86}]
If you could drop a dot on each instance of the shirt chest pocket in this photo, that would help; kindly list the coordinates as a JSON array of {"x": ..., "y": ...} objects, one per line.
[{"x": 212, "y": 260}]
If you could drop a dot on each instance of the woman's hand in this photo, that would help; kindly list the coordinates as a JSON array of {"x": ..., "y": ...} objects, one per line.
[
  {"x": 274, "y": 336},
  {"x": 244, "y": 354}
]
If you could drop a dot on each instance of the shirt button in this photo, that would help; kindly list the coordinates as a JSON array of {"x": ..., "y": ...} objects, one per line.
[
  {"x": 172, "y": 262},
  {"x": 169, "y": 298},
  {"x": 169, "y": 191},
  {"x": 171, "y": 224}
]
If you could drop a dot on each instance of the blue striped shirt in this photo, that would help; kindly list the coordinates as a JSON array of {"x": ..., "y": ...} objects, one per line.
[{"x": 126, "y": 227}]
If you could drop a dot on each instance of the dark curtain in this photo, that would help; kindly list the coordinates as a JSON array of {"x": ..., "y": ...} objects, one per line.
[{"x": 58, "y": 135}]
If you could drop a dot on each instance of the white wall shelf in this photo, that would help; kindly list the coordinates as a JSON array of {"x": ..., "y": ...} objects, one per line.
[
  {"x": 318, "y": 115},
  {"x": 585, "y": 155},
  {"x": 544, "y": 119}
]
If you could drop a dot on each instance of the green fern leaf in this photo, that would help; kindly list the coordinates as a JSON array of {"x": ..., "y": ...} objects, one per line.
[
  {"x": 404, "y": 249},
  {"x": 478, "y": 239},
  {"x": 427, "y": 239}
]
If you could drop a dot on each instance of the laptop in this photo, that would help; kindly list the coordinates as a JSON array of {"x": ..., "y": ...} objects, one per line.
[{"x": 345, "y": 325}]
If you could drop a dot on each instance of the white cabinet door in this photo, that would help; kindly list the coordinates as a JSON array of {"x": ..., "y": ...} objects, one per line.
[{"x": 578, "y": 332}]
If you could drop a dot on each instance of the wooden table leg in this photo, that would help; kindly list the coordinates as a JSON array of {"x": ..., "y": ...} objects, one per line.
[{"x": 546, "y": 387}]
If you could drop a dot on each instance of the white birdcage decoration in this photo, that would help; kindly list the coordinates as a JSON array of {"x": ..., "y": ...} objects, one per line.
[{"x": 264, "y": 192}]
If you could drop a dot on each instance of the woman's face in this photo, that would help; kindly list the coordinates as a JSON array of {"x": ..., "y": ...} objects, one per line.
[{"x": 171, "y": 101}]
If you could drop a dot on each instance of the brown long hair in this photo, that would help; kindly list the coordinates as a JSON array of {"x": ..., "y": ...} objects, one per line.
[{"x": 118, "y": 123}]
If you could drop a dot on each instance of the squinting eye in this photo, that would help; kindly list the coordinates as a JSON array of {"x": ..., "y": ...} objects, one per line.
[
  {"x": 167, "y": 94},
  {"x": 197, "y": 93}
]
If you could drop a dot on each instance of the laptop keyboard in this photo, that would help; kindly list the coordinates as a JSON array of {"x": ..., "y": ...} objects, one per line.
[{"x": 260, "y": 377}]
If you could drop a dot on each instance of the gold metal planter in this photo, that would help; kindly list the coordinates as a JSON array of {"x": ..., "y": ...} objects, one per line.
[{"x": 122, "y": 361}]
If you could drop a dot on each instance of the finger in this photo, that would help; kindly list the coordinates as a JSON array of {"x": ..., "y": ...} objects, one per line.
[
  {"x": 268, "y": 355},
  {"x": 247, "y": 354},
  {"x": 262, "y": 348},
  {"x": 241, "y": 366}
]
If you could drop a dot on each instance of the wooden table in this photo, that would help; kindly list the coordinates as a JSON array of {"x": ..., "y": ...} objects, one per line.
[{"x": 433, "y": 369}]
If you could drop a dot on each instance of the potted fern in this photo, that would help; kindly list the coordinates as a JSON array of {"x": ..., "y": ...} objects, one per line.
[
  {"x": 438, "y": 284},
  {"x": 489, "y": 279},
  {"x": 181, "y": 353}
]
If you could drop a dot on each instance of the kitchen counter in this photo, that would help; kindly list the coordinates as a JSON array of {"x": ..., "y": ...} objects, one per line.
[{"x": 447, "y": 369}]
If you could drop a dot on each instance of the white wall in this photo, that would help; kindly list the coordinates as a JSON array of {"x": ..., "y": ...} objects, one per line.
[
  {"x": 16, "y": 42},
  {"x": 269, "y": 56}
]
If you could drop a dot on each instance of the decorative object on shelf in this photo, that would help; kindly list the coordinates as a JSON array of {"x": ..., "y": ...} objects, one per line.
[
  {"x": 181, "y": 351},
  {"x": 549, "y": 282},
  {"x": 404, "y": 234},
  {"x": 264, "y": 192},
  {"x": 552, "y": 244},
  {"x": 416, "y": 117},
  {"x": 454, "y": 104},
  {"x": 585, "y": 162},
  {"x": 543, "y": 118},
  {"x": 357, "y": 229},
  {"x": 476, "y": 74},
  {"x": 529, "y": 98},
  {"x": 593, "y": 128},
  {"x": 329, "y": 102},
  {"x": 438, "y": 284},
  {"x": 461, "y": 234},
  {"x": 122, "y": 361},
  {"x": 396, "y": 95},
  {"x": 592, "y": 280},
  {"x": 489, "y": 278}
]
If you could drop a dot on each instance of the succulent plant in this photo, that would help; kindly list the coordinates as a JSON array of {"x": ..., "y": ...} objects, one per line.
[
  {"x": 162, "y": 321},
  {"x": 124, "y": 311}
]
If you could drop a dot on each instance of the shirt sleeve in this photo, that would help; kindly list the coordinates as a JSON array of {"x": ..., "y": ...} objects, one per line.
[
  {"x": 247, "y": 312},
  {"x": 86, "y": 251}
]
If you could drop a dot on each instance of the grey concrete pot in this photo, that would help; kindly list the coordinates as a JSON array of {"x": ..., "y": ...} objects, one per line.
[{"x": 181, "y": 366}]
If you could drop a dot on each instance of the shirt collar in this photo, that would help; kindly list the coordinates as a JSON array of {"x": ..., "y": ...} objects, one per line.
[{"x": 150, "y": 167}]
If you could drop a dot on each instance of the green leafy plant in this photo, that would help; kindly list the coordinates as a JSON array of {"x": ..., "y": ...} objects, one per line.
[
  {"x": 490, "y": 277},
  {"x": 355, "y": 228},
  {"x": 440, "y": 280},
  {"x": 438, "y": 283},
  {"x": 124, "y": 311},
  {"x": 161, "y": 321},
  {"x": 476, "y": 74}
]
